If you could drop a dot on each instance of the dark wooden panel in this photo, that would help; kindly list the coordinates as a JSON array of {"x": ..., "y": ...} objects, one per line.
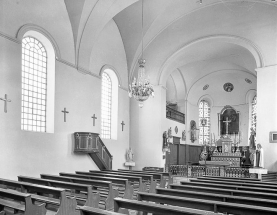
[
  {"x": 182, "y": 154},
  {"x": 194, "y": 152}
]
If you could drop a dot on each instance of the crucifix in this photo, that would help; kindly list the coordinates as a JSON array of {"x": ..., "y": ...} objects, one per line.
[
  {"x": 122, "y": 125},
  {"x": 65, "y": 112},
  {"x": 227, "y": 124},
  {"x": 6, "y": 104},
  {"x": 94, "y": 118}
]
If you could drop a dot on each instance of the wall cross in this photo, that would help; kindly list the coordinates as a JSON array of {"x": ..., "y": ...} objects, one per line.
[
  {"x": 94, "y": 118},
  {"x": 122, "y": 125},
  {"x": 65, "y": 112},
  {"x": 227, "y": 124},
  {"x": 6, "y": 100}
]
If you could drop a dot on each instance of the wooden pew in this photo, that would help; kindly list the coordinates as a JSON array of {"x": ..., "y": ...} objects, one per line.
[
  {"x": 155, "y": 176},
  {"x": 146, "y": 207},
  {"x": 11, "y": 199},
  {"x": 208, "y": 205},
  {"x": 84, "y": 210},
  {"x": 233, "y": 180},
  {"x": 104, "y": 187},
  {"x": 134, "y": 180},
  {"x": 238, "y": 183},
  {"x": 167, "y": 176},
  {"x": 227, "y": 178},
  {"x": 218, "y": 197},
  {"x": 125, "y": 189},
  {"x": 234, "y": 187},
  {"x": 90, "y": 199},
  {"x": 146, "y": 178},
  {"x": 225, "y": 191},
  {"x": 63, "y": 205}
]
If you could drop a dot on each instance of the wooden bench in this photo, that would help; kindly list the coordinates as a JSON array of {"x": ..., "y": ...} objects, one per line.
[
  {"x": 147, "y": 179},
  {"x": 225, "y": 191},
  {"x": 89, "y": 199},
  {"x": 125, "y": 189},
  {"x": 218, "y": 197},
  {"x": 12, "y": 199},
  {"x": 167, "y": 176},
  {"x": 107, "y": 193},
  {"x": 84, "y": 210},
  {"x": 207, "y": 205},
  {"x": 234, "y": 187},
  {"x": 239, "y": 179},
  {"x": 157, "y": 177},
  {"x": 238, "y": 183},
  {"x": 61, "y": 203},
  {"x": 136, "y": 181},
  {"x": 234, "y": 180},
  {"x": 147, "y": 207}
]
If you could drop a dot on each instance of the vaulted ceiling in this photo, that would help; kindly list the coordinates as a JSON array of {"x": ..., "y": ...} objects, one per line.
[{"x": 180, "y": 35}]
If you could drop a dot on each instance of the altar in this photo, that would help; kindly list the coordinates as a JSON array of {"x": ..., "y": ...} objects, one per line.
[{"x": 226, "y": 151}]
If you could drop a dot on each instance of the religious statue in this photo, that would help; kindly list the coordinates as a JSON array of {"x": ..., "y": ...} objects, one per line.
[
  {"x": 184, "y": 135},
  {"x": 258, "y": 156},
  {"x": 169, "y": 132},
  {"x": 169, "y": 136},
  {"x": 165, "y": 142},
  {"x": 252, "y": 139},
  {"x": 193, "y": 131},
  {"x": 130, "y": 155}
]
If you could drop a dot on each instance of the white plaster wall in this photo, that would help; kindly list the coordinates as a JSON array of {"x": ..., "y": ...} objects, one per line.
[
  {"x": 146, "y": 130},
  {"x": 266, "y": 113},
  {"x": 31, "y": 153},
  {"x": 147, "y": 126},
  {"x": 109, "y": 50}
]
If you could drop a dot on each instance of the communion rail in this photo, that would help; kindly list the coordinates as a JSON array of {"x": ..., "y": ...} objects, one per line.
[{"x": 194, "y": 171}]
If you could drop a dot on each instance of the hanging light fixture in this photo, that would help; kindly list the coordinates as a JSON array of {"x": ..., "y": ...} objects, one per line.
[{"x": 141, "y": 88}]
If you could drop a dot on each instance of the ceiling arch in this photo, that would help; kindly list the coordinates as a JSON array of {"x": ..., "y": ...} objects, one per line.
[{"x": 181, "y": 57}]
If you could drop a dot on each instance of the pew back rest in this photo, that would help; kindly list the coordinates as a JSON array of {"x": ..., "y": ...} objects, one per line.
[
  {"x": 28, "y": 208},
  {"x": 123, "y": 182},
  {"x": 29, "y": 188},
  {"x": 84, "y": 210},
  {"x": 156, "y": 208},
  {"x": 94, "y": 183}
]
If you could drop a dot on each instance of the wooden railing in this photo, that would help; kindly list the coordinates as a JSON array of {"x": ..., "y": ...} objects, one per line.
[
  {"x": 104, "y": 153},
  {"x": 175, "y": 115},
  {"x": 91, "y": 144},
  {"x": 194, "y": 171}
]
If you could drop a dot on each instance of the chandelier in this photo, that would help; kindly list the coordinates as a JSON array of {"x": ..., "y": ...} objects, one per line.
[{"x": 141, "y": 88}]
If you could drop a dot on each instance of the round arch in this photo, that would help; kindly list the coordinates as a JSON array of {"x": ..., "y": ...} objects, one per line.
[
  {"x": 114, "y": 70},
  {"x": 170, "y": 64},
  {"x": 32, "y": 27}
]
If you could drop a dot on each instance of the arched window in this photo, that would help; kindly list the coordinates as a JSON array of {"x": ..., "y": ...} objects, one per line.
[
  {"x": 38, "y": 77},
  {"x": 204, "y": 122},
  {"x": 109, "y": 104},
  {"x": 34, "y": 85},
  {"x": 254, "y": 113},
  {"x": 106, "y": 106}
]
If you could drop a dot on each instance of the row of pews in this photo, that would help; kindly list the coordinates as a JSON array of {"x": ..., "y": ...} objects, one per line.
[
  {"x": 75, "y": 193},
  {"x": 123, "y": 191},
  {"x": 270, "y": 177}
]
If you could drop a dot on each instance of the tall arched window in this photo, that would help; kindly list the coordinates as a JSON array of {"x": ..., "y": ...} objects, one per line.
[
  {"x": 254, "y": 113},
  {"x": 38, "y": 83},
  {"x": 204, "y": 122},
  {"x": 106, "y": 106},
  {"x": 34, "y": 85},
  {"x": 109, "y": 104}
]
